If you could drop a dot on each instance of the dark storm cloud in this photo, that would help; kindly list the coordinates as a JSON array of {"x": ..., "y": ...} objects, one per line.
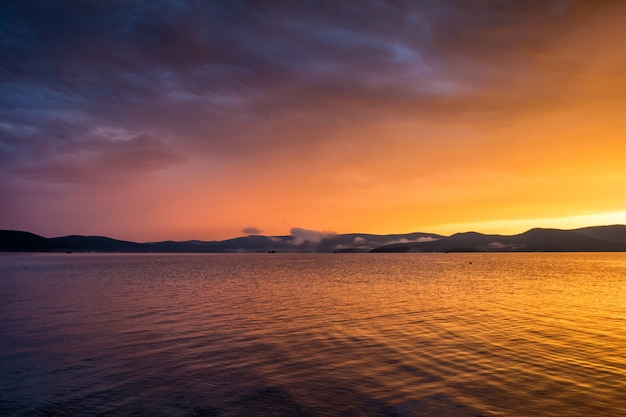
[{"x": 97, "y": 89}]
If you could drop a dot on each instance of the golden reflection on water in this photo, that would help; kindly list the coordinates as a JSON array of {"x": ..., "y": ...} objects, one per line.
[
  {"x": 507, "y": 334},
  {"x": 317, "y": 335}
]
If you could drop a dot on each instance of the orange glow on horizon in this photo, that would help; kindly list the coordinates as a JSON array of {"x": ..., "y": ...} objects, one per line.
[{"x": 497, "y": 128}]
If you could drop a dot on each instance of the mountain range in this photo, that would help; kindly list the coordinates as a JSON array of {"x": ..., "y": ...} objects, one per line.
[{"x": 588, "y": 239}]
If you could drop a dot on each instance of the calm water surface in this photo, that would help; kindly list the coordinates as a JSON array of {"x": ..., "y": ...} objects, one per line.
[{"x": 313, "y": 335}]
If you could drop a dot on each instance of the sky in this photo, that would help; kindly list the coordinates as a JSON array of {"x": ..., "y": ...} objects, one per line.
[{"x": 149, "y": 120}]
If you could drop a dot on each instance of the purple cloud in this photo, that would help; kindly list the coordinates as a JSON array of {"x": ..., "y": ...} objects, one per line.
[
  {"x": 251, "y": 231},
  {"x": 238, "y": 78}
]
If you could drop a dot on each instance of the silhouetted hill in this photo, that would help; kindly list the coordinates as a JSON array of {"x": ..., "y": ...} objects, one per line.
[
  {"x": 17, "y": 241},
  {"x": 588, "y": 239},
  {"x": 459, "y": 242},
  {"x": 615, "y": 233},
  {"x": 96, "y": 244},
  {"x": 534, "y": 240},
  {"x": 364, "y": 242},
  {"x": 256, "y": 243},
  {"x": 555, "y": 240},
  {"x": 169, "y": 246}
]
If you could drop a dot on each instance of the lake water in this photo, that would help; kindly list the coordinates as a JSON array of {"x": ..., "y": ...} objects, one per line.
[{"x": 313, "y": 335}]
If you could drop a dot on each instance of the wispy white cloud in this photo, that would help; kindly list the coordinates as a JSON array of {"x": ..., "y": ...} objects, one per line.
[
  {"x": 300, "y": 236},
  {"x": 405, "y": 240}
]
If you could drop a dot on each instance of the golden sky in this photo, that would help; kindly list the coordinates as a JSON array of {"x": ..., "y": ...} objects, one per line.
[{"x": 210, "y": 121}]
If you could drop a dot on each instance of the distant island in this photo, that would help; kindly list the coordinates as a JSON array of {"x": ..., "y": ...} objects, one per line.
[{"x": 588, "y": 239}]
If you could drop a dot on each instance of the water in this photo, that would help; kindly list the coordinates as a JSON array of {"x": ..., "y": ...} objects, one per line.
[{"x": 313, "y": 335}]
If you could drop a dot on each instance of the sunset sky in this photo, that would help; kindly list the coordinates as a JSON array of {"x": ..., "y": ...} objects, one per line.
[{"x": 150, "y": 120}]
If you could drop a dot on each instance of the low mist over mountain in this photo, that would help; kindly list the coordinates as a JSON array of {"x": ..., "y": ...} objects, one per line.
[{"x": 588, "y": 239}]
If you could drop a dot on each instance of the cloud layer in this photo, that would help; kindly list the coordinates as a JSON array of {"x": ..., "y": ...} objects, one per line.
[{"x": 270, "y": 105}]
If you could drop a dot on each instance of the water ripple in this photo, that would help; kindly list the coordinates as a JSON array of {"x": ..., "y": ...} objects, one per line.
[{"x": 313, "y": 335}]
